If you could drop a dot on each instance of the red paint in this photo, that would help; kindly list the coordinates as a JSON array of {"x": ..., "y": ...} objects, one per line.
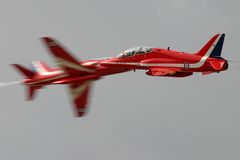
[{"x": 80, "y": 75}]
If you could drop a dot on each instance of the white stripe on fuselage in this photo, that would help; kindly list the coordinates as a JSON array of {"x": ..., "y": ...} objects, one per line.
[
  {"x": 191, "y": 65},
  {"x": 48, "y": 79}
]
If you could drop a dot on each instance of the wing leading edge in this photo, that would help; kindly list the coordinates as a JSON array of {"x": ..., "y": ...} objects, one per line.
[{"x": 64, "y": 59}]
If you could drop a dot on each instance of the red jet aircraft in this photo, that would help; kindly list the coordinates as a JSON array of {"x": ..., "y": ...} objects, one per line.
[{"x": 79, "y": 75}]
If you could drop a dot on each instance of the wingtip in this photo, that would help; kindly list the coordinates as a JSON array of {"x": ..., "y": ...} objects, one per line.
[
  {"x": 51, "y": 42},
  {"x": 47, "y": 38},
  {"x": 80, "y": 112},
  {"x": 13, "y": 65}
]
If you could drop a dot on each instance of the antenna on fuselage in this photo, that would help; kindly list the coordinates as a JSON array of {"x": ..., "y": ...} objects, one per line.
[{"x": 168, "y": 48}]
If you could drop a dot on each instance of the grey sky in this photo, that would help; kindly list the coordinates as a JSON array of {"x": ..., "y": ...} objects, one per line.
[{"x": 132, "y": 115}]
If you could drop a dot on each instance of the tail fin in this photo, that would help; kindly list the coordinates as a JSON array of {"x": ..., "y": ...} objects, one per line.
[
  {"x": 24, "y": 71},
  {"x": 40, "y": 67},
  {"x": 216, "y": 53},
  {"x": 213, "y": 47},
  {"x": 31, "y": 90},
  {"x": 64, "y": 59}
]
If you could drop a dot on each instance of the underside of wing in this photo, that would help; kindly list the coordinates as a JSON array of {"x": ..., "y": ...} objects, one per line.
[
  {"x": 64, "y": 59},
  {"x": 80, "y": 94},
  {"x": 168, "y": 72}
]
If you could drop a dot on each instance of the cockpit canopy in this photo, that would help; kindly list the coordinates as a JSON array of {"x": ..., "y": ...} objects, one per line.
[{"x": 135, "y": 51}]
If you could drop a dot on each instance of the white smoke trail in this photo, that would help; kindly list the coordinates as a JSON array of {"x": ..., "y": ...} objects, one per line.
[{"x": 4, "y": 84}]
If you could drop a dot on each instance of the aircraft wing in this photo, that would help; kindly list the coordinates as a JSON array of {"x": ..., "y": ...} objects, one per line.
[
  {"x": 163, "y": 71},
  {"x": 79, "y": 94},
  {"x": 64, "y": 59}
]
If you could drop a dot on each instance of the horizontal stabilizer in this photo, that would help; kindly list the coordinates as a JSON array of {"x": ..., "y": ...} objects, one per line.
[
  {"x": 24, "y": 71},
  {"x": 217, "y": 65}
]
